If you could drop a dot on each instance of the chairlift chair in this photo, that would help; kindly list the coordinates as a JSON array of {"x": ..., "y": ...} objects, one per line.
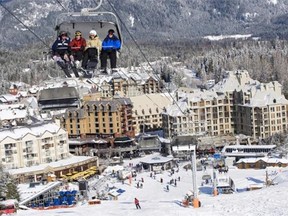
[{"x": 86, "y": 20}]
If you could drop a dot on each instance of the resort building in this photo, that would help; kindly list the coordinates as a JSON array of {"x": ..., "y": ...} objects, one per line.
[
  {"x": 236, "y": 105},
  {"x": 100, "y": 119},
  {"x": 33, "y": 145},
  {"x": 147, "y": 111}
]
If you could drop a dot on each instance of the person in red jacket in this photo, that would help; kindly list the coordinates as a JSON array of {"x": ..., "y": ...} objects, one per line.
[
  {"x": 77, "y": 46},
  {"x": 136, "y": 201}
]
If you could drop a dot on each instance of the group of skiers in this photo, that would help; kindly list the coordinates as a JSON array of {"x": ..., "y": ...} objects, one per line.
[{"x": 71, "y": 52}]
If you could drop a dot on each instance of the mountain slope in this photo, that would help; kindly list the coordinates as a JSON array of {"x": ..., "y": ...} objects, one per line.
[{"x": 146, "y": 19}]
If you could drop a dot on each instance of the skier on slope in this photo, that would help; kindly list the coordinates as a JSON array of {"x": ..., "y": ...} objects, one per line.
[{"x": 136, "y": 201}]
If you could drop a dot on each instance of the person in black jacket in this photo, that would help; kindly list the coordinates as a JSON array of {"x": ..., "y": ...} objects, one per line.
[{"x": 61, "y": 52}]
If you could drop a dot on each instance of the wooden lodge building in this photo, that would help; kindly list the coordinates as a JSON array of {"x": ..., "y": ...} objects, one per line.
[{"x": 261, "y": 163}]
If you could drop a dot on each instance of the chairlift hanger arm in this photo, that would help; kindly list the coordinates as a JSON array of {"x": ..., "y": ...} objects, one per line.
[
  {"x": 85, "y": 10},
  {"x": 64, "y": 16},
  {"x": 90, "y": 14}
]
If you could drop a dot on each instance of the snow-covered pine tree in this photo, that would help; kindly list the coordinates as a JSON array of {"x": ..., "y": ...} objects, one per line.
[
  {"x": 12, "y": 191},
  {"x": 8, "y": 186}
]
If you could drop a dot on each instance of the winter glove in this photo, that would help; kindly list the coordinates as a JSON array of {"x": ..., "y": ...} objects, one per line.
[{"x": 118, "y": 54}]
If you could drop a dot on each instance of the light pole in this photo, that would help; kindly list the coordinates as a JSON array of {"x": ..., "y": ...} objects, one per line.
[
  {"x": 194, "y": 170},
  {"x": 192, "y": 148}
]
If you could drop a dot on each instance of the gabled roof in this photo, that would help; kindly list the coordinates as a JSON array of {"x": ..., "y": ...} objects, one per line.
[
  {"x": 113, "y": 104},
  {"x": 36, "y": 130},
  {"x": 264, "y": 159}
]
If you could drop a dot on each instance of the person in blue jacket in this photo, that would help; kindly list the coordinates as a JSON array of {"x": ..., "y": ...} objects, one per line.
[{"x": 110, "y": 45}]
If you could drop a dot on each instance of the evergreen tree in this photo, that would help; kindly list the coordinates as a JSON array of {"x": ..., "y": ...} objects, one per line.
[
  {"x": 12, "y": 191},
  {"x": 8, "y": 187}
]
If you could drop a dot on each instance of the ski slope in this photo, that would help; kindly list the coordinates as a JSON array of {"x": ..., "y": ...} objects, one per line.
[{"x": 156, "y": 201}]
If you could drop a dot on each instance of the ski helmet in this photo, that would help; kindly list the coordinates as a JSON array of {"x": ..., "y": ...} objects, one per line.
[{"x": 93, "y": 32}]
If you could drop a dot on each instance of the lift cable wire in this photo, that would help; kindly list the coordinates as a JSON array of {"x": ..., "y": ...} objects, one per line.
[
  {"x": 62, "y": 5},
  {"x": 123, "y": 73},
  {"x": 144, "y": 70},
  {"x": 130, "y": 77},
  {"x": 29, "y": 29},
  {"x": 10, "y": 12},
  {"x": 143, "y": 54}
]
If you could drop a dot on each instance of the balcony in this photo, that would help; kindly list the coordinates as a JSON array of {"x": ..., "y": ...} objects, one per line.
[
  {"x": 30, "y": 156},
  {"x": 29, "y": 150},
  {"x": 47, "y": 153},
  {"x": 47, "y": 140},
  {"x": 9, "y": 159},
  {"x": 8, "y": 152},
  {"x": 7, "y": 147},
  {"x": 29, "y": 145}
]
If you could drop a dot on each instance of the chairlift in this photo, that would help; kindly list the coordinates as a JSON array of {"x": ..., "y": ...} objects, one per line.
[{"x": 86, "y": 20}]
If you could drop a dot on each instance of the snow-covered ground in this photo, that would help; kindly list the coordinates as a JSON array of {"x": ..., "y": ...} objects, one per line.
[
  {"x": 156, "y": 201},
  {"x": 221, "y": 37}
]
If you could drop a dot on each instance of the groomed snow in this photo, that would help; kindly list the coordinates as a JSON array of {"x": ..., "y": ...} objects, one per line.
[{"x": 156, "y": 201}]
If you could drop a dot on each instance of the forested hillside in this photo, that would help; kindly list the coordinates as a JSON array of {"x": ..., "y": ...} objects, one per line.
[
  {"x": 265, "y": 60},
  {"x": 147, "y": 20}
]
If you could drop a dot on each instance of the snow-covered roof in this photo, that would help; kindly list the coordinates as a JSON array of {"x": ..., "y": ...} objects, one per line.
[
  {"x": 204, "y": 95},
  {"x": 150, "y": 102},
  {"x": 111, "y": 169},
  {"x": 8, "y": 98},
  {"x": 100, "y": 141},
  {"x": 177, "y": 109},
  {"x": 11, "y": 106},
  {"x": 234, "y": 80},
  {"x": 37, "y": 130},
  {"x": 13, "y": 114},
  {"x": 56, "y": 164},
  {"x": 265, "y": 159},
  {"x": 156, "y": 158},
  {"x": 264, "y": 98},
  {"x": 27, "y": 193}
]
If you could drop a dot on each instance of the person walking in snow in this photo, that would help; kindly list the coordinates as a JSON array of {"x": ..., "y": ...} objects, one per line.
[{"x": 136, "y": 201}]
